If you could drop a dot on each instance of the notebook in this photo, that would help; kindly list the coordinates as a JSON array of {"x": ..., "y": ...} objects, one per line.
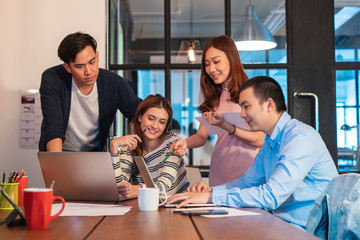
[{"x": 83, "y": 176}]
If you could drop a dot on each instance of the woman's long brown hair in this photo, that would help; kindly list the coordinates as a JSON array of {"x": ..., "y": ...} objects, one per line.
[
  {"x": 211, "y": 91},
  {"x": 149, "y": 102}
]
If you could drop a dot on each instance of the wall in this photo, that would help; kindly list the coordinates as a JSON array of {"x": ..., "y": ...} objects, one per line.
[{"x": 30, "y": 34}]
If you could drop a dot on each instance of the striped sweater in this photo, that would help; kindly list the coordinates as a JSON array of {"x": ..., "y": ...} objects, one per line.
[{"x": 169, "y": 176}]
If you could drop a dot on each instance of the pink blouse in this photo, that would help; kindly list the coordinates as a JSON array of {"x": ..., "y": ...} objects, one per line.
[{"x": 231, "y": 157}]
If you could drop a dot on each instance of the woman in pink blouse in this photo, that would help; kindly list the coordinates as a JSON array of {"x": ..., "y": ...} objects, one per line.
[{"x": 221, "y": 76}]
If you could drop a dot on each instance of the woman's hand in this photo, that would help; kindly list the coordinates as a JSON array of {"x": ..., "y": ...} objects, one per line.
[
  {"x": 214, "y": 118},
  {"x": 199, "y": 187},
  {"x": 129, "y": 140},
  {"x": 127, "y": 190},
  {"x": 180, "y": 147}
]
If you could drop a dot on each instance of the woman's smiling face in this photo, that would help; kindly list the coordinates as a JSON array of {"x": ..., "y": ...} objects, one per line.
[
  {"x": 154, "y": 121},
  {"x": 217, "y": 66}
]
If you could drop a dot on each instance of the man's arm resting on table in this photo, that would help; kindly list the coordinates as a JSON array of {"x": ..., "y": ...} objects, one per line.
[
  {"x": 54, "y": 145},
  {"x": 190, "y": 197}
]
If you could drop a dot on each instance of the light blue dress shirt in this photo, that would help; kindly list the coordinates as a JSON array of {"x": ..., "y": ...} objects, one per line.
[{"x": 290, "y": 172}]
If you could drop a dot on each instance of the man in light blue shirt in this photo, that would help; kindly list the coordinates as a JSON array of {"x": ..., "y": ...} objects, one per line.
[{"x": 291, "y": 169}]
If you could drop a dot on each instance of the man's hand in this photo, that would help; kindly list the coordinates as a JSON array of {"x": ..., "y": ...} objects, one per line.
[
  {"x": 190, "y": 197},
  {"x": 180, "y": 147},
  {"x": 200, "y": 187}
]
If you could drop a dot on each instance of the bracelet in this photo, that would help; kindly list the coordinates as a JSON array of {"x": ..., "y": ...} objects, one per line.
[{"x": 233, "y": 131}]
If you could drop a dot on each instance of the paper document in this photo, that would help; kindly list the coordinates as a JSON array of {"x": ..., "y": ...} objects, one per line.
[
  {"x": 85, "y": 209},
  {"x": 232, "y": 118},
  {"x": 232, "y": 212}
]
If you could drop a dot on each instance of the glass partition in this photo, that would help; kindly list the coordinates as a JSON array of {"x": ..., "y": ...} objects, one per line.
[
  {"x": 138, "y": 28},
  {"x": 280, "y": 75},
  {"x": 156, "y": 61},
  {"x": 347, "y": 53},
  {"x": 347, "y": 32},
  {"x": 347, "y": 115},
  {"x": 193, "y": 23}
]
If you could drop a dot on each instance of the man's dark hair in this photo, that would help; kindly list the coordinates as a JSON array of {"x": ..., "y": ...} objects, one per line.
[
  {"x": 264, "y": 88},
  {"x": 72, "y": 44}
]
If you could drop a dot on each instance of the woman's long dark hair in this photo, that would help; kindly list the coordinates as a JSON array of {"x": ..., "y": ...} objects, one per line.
[
  {"x": 149, "y": 102},
  {"x": 211, "y": 91}
]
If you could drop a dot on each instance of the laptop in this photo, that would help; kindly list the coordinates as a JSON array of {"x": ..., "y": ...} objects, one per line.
[
  {"x": 83, "y": 176},
  {"x": 144, "y": 171}
]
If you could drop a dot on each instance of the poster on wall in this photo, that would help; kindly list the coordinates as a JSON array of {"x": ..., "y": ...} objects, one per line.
[{"x": 30, "y": 118}]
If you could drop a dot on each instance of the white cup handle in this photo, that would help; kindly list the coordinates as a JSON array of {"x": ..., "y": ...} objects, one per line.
[{"x": 162, "y": 201}]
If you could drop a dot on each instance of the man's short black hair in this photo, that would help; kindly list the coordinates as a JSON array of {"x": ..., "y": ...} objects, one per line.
[
  {"x": 265, "y": 88},
  {"x": 72, "y": 44}
]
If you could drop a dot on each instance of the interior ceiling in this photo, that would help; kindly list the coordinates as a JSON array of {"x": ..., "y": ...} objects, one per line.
[{"x": 204, "y": 18}]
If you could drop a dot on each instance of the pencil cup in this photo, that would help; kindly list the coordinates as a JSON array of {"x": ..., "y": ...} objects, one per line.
[
  {"x": 37, "y": 204},
  {"x": 11, "y": 189},
  {"x": 148, "y": 199},
  {"x": 23, "y": 183}
]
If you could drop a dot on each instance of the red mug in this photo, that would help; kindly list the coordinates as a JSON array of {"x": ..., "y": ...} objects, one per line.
[{"x": 37, "y": 204}]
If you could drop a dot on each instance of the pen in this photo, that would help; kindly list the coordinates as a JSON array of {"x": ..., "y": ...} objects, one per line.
[
  {"x": 4, "y": 176},
  {"x": 19, "y": 176},
  {"x": 178, "y": 211},
  {"x": 52, "y": 184},
  {"x": 142, "y": 133},
  {"x": 169, "y": 155}
]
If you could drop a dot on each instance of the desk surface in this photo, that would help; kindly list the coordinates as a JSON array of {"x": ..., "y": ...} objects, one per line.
[{"x": 161, "y": 224}]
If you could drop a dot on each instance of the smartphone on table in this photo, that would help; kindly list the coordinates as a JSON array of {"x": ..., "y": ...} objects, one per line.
[{"x": 204, "y": 212}]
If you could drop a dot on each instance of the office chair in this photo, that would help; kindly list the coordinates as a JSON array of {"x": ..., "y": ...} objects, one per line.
[
  {"x": 193, "y": 175},
  {"x": 337, "y": 210}
]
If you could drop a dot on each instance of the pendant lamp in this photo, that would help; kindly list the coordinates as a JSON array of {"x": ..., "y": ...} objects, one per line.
[{"x": 252, "y": 35}]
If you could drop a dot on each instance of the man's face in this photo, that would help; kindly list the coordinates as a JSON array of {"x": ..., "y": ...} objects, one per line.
[
  {"x": 255, "y": 114},
  {"x": 85, "y": 68}
]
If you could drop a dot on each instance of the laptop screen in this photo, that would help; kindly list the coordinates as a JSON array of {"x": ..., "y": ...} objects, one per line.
[
  {"x": 144, "y": 171},
  {"x": 85, "y": 176}
]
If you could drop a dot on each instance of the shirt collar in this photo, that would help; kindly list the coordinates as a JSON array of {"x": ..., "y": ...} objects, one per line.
[{"x": 275, "y": 135}]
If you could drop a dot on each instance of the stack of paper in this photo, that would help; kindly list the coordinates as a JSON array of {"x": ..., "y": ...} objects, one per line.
[{"x": 232, "y": 118}]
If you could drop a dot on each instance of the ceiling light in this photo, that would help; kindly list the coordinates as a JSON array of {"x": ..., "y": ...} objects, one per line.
[{"x": 252, "y": 35}]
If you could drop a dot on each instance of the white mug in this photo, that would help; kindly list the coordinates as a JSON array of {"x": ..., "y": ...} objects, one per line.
[{"x": 148, "y": 199}]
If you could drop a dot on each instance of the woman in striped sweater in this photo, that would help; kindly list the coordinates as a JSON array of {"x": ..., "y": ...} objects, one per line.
[{"x": 151, "y": 140}]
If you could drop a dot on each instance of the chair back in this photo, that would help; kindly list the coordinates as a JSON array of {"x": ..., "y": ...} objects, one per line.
[
  {"x": 336, "y": 212},
  {"x": 193, "y": 175}
]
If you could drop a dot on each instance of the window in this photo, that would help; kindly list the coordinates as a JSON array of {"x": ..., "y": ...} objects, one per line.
[
  {"x": 149, "y": 44},
  {"x": 347, "y": 49}
]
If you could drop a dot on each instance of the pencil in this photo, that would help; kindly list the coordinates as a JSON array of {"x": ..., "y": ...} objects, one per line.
[
  {"x": 10, "y": 177},
  {"x": 168, "y": 155},
  {"x": 15, "y": 176},
  {"x": 19, "y": 176}
]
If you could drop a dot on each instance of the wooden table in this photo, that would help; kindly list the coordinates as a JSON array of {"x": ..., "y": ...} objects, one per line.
[{"x": 162, "y": 224}]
